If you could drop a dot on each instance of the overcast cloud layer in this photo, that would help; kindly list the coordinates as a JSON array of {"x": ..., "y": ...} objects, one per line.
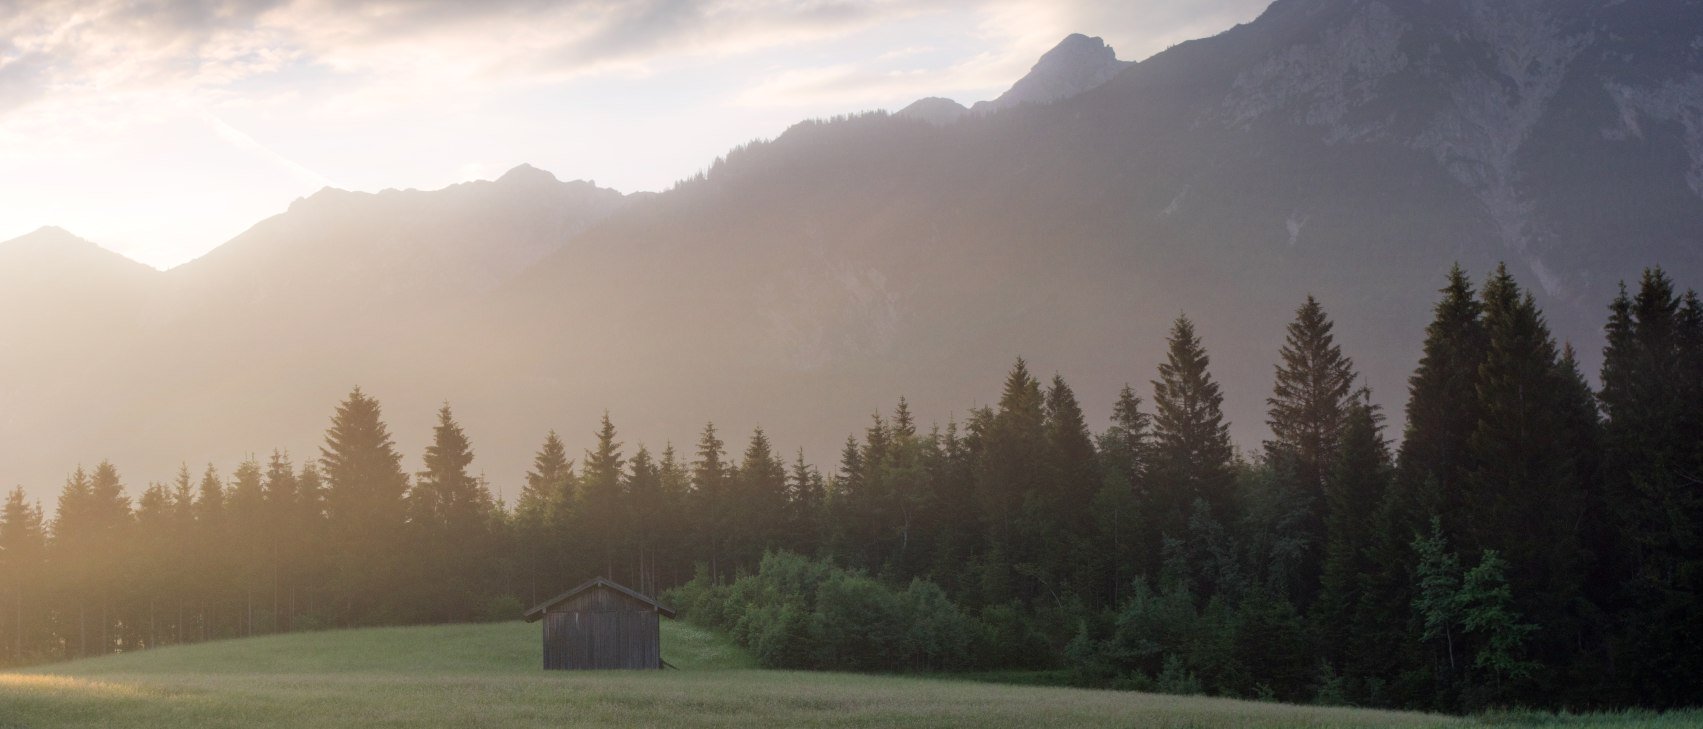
[{"x": 161, "y": 129}]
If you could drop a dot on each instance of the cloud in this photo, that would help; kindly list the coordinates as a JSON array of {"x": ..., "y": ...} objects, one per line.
[
  {"x": 382, "y": 93},
  {"x": 1008, "y": 36},
  {"x": 112, "y": 42},
  {"x": 855, "y": 84},
  {"x": 200, "y": 48},
  {"x": 21, "y": 79}
]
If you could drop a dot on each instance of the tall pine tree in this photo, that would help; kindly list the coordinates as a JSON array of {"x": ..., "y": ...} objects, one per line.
[
  {"x": 23, "y": 578},
  {"x": 1525, "y": 495},
  {"x": 1354, "y": 490},
  {"x": 1307, "y": 409},
  {"x": 451, "y": 512},
  {"x": 366, "y": 513},
  {"x": 1012, "y": 469},
  {"x": 709, "y": 499},
  {"x": 1652, "y": 395},
  {"x": 1191, "y": 440},
  {"x": 603, "y": 527},
  {"x": 1443, "y": 405},
  {"x": 1123, "y": 544}
]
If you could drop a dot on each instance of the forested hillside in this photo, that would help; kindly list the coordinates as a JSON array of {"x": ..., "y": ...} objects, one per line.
[{"x": 1527, "y": 539}]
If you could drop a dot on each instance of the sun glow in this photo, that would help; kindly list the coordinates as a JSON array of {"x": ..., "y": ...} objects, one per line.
[{"x": 163, "y": 134}]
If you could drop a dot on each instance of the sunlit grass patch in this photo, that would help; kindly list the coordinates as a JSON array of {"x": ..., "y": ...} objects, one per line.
[
  {"x": 490, "y": 676},
  {"x": 32, "y": 683}
]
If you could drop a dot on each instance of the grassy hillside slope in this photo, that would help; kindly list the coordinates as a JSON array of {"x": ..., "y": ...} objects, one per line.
[{"x": 488, "y": 676}]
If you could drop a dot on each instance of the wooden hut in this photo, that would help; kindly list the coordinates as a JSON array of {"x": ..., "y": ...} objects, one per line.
[{"x": 601, "y": 625}]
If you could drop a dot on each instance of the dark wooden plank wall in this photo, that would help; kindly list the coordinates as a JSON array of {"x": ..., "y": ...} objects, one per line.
[{"x": 602, "y": 629}]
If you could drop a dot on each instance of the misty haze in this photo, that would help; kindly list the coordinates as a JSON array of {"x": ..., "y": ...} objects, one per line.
[{"x": 1326, "y": 363}]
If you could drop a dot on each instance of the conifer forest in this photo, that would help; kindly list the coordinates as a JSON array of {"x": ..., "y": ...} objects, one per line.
[{"x": 1524, "y": 533}]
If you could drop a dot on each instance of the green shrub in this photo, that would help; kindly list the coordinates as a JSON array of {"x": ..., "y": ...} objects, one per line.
[
  {"x": 800, "y": 613},
  {"x": 937, "y": 634},
  {"x": 861, "y": 624},
  {"x": 1008, "y": 638},
  {"x": 1175, "y": 678}
]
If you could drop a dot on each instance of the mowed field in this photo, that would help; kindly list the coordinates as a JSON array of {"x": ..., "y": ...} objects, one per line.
[{"x": 489, "y": 676}]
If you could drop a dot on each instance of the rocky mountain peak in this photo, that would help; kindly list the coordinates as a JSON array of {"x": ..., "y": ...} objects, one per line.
[{"x": 1078, "y": 63}]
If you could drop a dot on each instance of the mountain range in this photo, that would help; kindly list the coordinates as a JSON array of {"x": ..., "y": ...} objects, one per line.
[{"x": 1351, "y": 149}]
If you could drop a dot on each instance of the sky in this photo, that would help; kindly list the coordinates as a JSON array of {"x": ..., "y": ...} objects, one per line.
[{"x": 162, "y": 129}]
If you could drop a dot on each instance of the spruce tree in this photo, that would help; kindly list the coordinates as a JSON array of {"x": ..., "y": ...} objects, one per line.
[
  {"x": 709, "y": 499},
  {"x": 603, "y": 516},
  {"x": 645, "y": 506},
  {"x": 210, "y": 498},
  {"x": 1443, "y": 405},
  {"x": 1307, "y": 408},
  {"x": 541, "y": 495},
  {"x": 1075, "y": 462},
  {"x": 1432, "y": 465},
  {"x": 445, "y": 495},
  {"x": 1127, "y": 547},
  {"x": 1353, "y": 491},
  {"x": 1652, "y": 396},
  {"x": 845, "y": 507},
  {"x": 286, "y": 535},
  {"x": 1126, "y": 446},
  {"x": 1525, "y": 495},
  {"x": 451, "y": 515},
  {"x": 366, "y": 512},
  {"x": 245, "y": 540},
  {"x": 1066, "y": 515},
  {"x": 806, "y": 496},
  {"x": 183, "y": 496},
  {"x": 902, "y": 496},
  {"x": 154, "y": 556},
  {"x": 760, "y": 507},
  {"x": 1191, "y": 441},
  {"x": 1011, "y": 471},
  {"x": 112, "y": 528},
  {"x": 1580, "y": 419},
  {"x": 90, "y": 526},
  {"x": 214, "y": 563},
  {"x": 904, "y": 425},
  {"x": 313, "y": 555},
  {"x": 673, "y": 522},
  {"x": 542, "y": 523},
  {"x": 23, "y": 577}
]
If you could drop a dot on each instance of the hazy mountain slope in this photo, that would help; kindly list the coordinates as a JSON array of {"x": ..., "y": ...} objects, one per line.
[
  {"x": 1350, "y": 149},
  {"x": 52, "y": 272},
  {"x": 68, "y": 312},
  {"x": 338, "y": 251},
  {"x": 247, "y": 348}
]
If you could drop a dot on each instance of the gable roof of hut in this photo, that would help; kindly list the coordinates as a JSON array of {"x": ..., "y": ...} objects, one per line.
[{"x": 538, "y": 610}]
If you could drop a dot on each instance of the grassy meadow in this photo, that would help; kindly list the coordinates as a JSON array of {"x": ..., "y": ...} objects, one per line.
[{"x": 489, "y": 676}]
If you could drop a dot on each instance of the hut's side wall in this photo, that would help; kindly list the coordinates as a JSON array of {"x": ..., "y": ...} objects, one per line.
[{"x": 602, "y": 629}]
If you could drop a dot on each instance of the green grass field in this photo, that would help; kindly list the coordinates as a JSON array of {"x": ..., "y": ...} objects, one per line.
[{"x": 489, "y": 676}]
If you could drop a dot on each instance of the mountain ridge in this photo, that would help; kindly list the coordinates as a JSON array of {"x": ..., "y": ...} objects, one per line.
[
  {"x": 1076, "y": 64},
  {"x": 1329, "y": 147}
]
